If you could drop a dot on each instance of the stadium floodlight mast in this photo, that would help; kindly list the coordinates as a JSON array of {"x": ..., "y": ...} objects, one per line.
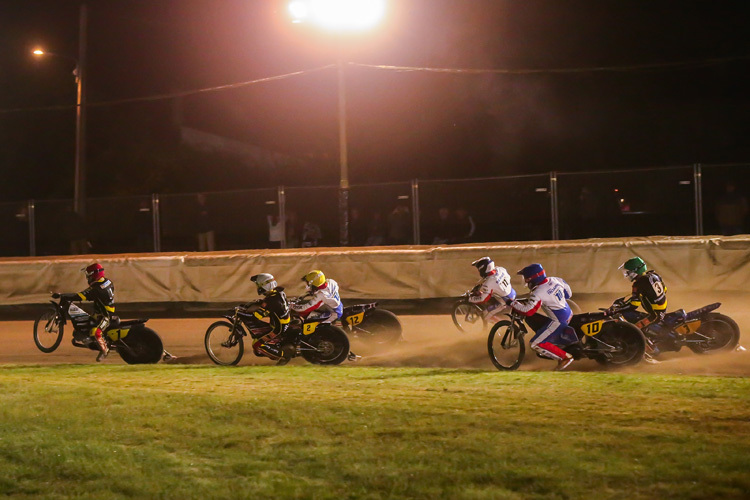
[
  {"x": 79, "y": 192},
  {"x": 341, "y": 17}
]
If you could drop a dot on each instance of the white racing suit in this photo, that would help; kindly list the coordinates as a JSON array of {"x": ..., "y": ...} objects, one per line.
[
  {"x": 493, "y": 291},
  {"x": 322, "y": 304},
  {"x": 552, "y": 332}
]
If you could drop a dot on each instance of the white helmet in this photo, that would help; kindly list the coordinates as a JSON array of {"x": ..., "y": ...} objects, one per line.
[
  {"x": 264, "y": 281},
  {"x": 485, "y": 266}
]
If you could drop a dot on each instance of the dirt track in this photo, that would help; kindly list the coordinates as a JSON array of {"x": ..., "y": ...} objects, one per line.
[{"x": 429, "y": 341}]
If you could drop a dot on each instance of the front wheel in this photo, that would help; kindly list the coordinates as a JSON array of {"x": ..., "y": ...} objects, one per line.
[
  {"x": 329, "y": 345},
  {"x": 506, "y": 346},
  {"x": 716, "y": 333},
  {"x": 141, "y": 346},
  {"x": 224, "y": 344},
  {"x": 48, "y": 330},
  {"x": 468, "y": 317}
]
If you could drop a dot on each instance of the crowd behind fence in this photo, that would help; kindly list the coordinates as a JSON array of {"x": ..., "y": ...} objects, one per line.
[{"x": 684, "y": 200}]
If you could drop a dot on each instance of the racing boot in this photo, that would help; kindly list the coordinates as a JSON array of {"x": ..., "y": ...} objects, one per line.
[
  {"x": 272, "y": 351},
  {"x": 564, "y": 363},
  {"x": 103, "y": 349}
]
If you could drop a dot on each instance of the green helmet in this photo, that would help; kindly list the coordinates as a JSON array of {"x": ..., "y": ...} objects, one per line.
[{"x": 632, "y": 268}]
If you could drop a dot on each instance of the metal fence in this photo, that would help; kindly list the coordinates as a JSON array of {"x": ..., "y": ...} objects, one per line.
[{"x": 681, "y": 200}]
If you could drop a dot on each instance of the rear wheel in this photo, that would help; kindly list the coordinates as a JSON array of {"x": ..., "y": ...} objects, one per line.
[
  {"x": 468, "y": 317},
  {"x": 224, "y": 344},
  {"x": 506, "y": 346},
  {"x": 329, "y": 345},
  {"x": 381, "y": 328},
  {"x": 717, "y": 333},
  {"x": 627, "y": 342},
  {"x": 140, "y": 346},
  {"x": 48, "y": 330}
]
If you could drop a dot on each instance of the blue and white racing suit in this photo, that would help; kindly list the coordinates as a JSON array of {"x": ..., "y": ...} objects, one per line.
[
  {"x": 551, "y": 297},
  {"x": 322, "y": 304},
  {"x": 493, "y": 291}
]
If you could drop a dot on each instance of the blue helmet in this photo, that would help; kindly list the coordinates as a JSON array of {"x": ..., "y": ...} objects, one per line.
[{"x": 533, "y": 275}]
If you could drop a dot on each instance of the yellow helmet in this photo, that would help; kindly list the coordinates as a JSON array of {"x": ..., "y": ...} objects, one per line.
[{"x": 314, "y": 279}]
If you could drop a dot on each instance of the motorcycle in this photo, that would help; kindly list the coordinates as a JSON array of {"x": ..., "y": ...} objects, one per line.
[
  {"x": 131, "y": 339},
  {"x": 471, "y": 317},
  {"x": 701, "y": 330},
  {"x": 319, "y": 343},
  {"x": 372, "y": 326},
  {"x": 605, "y": 337}
]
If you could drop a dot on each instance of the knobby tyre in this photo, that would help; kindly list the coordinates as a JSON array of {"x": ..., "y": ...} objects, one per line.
[
  {"x": 141, "y": 346},
  {"x": 381, "y": 328},
  {"x": 48, "y": 330},
  {"x": 505, "y": 345},
  {"x": 628, "y": 341},
  {"x": 722, "y": 332},
  {"x": 329, "y": 345},
  {"x": 468, "y": 317},
  {"x": 224, "y": 345}
]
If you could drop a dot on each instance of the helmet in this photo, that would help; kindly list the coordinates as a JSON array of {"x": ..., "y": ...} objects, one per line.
[
  {"x": 485, "y": 266},
  {"x": 94, "y": 272},
  {"x": 264, "y": 281},
  {"x": 314, "y": 279},
  {"x": 632, "y": 268},
  {"x": 533, "y": 275}
]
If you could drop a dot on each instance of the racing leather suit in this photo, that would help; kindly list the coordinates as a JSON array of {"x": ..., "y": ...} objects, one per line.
[
  {"x": 649, "y": 292},
  {"x": 323, "y": 303},
  {"x": 102, "y": 294},
  {"x": 551, "y": 297},
  {"x": 274, "y": 306},
  {"x": 493, "y": 290}
]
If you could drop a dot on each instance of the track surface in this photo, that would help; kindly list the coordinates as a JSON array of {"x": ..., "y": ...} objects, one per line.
[{"x": 429, "y": 341}]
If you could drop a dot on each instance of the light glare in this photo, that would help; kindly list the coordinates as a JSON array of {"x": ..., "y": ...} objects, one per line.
[{"x": 338, "y": 15}]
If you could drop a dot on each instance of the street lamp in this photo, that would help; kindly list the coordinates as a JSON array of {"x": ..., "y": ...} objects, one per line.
[
  {"x": 79, "y": 194},
  {"x": 341, "y": 17}
]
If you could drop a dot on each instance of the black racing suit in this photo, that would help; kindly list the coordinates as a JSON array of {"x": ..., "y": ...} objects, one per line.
[
  {"x": 102, "y": 294},
  {"x": 649, "y": 292},
  {"x": 274, "y": 306}
]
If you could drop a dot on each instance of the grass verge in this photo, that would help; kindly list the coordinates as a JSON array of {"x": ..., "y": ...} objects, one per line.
[{"x": 358, "y": 432}]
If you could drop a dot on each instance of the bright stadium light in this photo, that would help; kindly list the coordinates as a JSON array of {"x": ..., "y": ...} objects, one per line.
[{"x": 338, "y": 15}]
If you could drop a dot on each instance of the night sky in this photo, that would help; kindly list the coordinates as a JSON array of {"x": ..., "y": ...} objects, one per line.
[{"x": 402, "y": 125}]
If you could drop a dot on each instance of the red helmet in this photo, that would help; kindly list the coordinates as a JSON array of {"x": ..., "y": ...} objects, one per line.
[{"x": 94, "y": 272}]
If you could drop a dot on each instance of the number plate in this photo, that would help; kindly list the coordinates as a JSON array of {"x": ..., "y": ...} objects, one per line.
[
  {"x": 355, "y": 319},
  {"x": 308, "y": 328},
  {"x": 592, "y": 328}
]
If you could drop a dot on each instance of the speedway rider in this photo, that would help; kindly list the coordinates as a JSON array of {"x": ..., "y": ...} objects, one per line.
[
  {"x": 272, "y": 305},
  {"x": 101, "y": 292},
  {"x": 322, "y": 301},
  {"x": 649, "y": 292},
  {"x": 493, "y": 289},
  {"x": 552, "y": 332}
]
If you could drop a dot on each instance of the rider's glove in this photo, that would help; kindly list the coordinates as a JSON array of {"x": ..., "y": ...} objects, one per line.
[{"x": 508, "y": 301}]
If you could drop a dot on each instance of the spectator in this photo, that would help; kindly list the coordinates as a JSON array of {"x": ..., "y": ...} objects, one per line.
[
  {"x": 465, "y": 227},
  {"x": 311, "y": 234},
  {"x": 444, "y": 231},
  {"x": 144, "y": 226},
  {"x": 731, "y": 210},
  {"x": 375, "y": 230},
  {"x": 399, "y": 226},
  {"x": 292, "y": 230},
  {"x": 206, "y": 234},
  {"x": 275, "y": 231},
  {"x": 76, "y": 228},
  {"x": 357, "y": 228}
]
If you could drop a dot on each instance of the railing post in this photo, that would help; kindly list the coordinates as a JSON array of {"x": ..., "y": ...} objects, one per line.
[
  {"x": 553, "y": 205},
  {"x": 156, "y": 221},
  {"x": 32, "y": 228},
  {"x": 698, "y": 194},
  {"x": 415, "y": 211},
  {"x": 281, "y": 194}
]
